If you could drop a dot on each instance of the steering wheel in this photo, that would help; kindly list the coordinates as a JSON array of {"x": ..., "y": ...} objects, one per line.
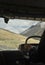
[
  {"x": 26, "y": 42},
  {"x": 30, "y": 48},
  {"x": 31, "y": 37}
]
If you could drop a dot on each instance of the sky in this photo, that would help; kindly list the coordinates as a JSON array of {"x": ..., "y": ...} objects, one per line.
[{"x": 17, "y": 25}]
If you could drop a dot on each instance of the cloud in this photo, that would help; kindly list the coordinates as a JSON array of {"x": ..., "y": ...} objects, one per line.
[
  {"x": 2, "y": 24},
  {"x": 17, "y": 25}
]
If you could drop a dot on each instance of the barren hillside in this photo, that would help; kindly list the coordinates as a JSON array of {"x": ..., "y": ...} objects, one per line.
[{"x": 12, "y": 40}]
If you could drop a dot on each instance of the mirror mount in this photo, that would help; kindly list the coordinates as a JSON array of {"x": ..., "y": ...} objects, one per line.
[{"x": 6, "y": 20}]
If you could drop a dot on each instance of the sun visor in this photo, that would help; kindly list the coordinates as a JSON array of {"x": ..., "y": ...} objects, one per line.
[{"x": 22, "y": 8}]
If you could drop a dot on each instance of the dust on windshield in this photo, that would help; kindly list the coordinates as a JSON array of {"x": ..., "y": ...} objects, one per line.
[{"x": 16, "y": 31}]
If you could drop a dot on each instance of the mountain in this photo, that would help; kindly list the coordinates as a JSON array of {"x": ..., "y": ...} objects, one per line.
[
  {"x": 9, "y": 40},
  {"x": 33, "y": 30}
]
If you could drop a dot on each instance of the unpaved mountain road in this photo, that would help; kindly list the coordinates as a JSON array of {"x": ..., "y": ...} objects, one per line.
[{"x": 3, "y": 47}]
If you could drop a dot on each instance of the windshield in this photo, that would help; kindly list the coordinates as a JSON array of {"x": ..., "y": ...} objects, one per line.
[{"x": 17, "y": 30}]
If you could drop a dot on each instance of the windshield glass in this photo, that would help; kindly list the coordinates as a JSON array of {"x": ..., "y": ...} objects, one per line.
[{"x": 17, "y": 30}]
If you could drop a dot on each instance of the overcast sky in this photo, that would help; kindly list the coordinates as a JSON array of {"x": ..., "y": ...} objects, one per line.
[{"x": 17, "y": 25}]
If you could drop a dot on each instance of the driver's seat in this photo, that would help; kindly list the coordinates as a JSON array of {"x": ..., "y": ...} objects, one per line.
[
  {"x": 41, "y": 49},
  {"x": 40, "y": 53}
]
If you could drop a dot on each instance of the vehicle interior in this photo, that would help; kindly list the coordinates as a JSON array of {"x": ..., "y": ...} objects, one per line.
[{"x": 27, "y": 53}]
